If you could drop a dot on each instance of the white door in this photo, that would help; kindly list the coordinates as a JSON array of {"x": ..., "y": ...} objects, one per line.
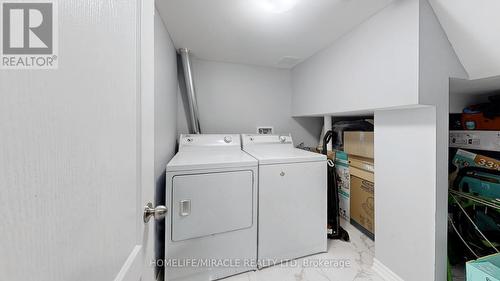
[{"x": 75, "y": 156}]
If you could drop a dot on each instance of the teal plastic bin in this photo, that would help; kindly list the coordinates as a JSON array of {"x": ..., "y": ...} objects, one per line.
[{"x": 484, "y": 269}]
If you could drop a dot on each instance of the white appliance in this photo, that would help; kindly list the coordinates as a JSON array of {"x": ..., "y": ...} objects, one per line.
[
  {"x": 479, "y": 140},
  {"x": 212, "y": 197},
  {"x": 292, "y": 199}
]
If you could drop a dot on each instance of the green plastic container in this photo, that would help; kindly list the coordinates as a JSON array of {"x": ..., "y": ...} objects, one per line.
[{"x": 484, "y": 269}]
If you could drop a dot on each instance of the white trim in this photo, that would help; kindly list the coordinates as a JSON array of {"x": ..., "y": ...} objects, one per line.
[
  {"x": 385, "y": 272},
  {"x": 147, "y": 132},
  {"x": 132, "y": 268}
]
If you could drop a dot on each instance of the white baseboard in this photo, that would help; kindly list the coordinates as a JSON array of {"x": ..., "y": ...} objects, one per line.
[{"x": 384, "y": 271}]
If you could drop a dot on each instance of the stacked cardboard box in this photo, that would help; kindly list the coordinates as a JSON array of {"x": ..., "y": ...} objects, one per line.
[{"x": 359, "y": 146}]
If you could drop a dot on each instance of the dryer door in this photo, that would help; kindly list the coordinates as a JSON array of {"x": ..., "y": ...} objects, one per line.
[{"x": 207, "y": 204}]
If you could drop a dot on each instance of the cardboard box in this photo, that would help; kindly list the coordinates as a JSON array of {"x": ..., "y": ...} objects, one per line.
[
  {"x": 484, "y": 269},
  {"x": 464, "y": 158},
  {"x": 343, "y": 183},
  {"x": 359, "y": 144},
  {"x": 362, "y": 200}
]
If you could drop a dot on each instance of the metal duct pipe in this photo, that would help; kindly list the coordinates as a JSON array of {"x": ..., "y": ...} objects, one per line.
[{"x": 191, "y": 94}]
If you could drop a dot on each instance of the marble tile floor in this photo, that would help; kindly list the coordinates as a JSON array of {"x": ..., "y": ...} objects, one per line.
[{"x": 348, "y": 261}]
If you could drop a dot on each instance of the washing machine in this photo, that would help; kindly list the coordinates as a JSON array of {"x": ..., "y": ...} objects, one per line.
[
  {"x": 292, "y": 214},
  {"x": 211, "y": 192}
]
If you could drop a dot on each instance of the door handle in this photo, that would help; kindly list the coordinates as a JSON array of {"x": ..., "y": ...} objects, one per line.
[{"x": 158, "y": 213}]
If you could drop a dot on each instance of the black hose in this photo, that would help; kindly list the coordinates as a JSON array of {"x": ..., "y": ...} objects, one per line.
[
  {"x": 326, "y": 139},
  {"x": 333, "y": 197}
]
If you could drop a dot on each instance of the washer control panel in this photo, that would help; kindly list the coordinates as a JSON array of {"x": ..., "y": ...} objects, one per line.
[{"x": 266, "y": 139}]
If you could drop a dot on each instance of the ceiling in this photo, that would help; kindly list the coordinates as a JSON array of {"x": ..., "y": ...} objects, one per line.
[
  {"x": 477, "y": 86},
  {"x": 473, "y": 28},
  {"x": 256, "y": 32},
  {"x": 252, "y": 32}
]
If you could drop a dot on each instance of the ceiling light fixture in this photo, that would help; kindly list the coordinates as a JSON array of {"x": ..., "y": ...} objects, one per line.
[{"x": 278, "y": 6}]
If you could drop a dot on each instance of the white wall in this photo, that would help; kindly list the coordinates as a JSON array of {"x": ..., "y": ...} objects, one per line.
[
  {"x": 165, "y": 115},
  {"x": 166, "y": 88},
  {"x": 373, "y": 66},
  {"x": 437, "y": 63},
  {"x": 236, "y": 98},
  {"x": 473, "y": 28},
  {"x": 398, "y": 58},
  {"x": 405, "y": 172}
]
